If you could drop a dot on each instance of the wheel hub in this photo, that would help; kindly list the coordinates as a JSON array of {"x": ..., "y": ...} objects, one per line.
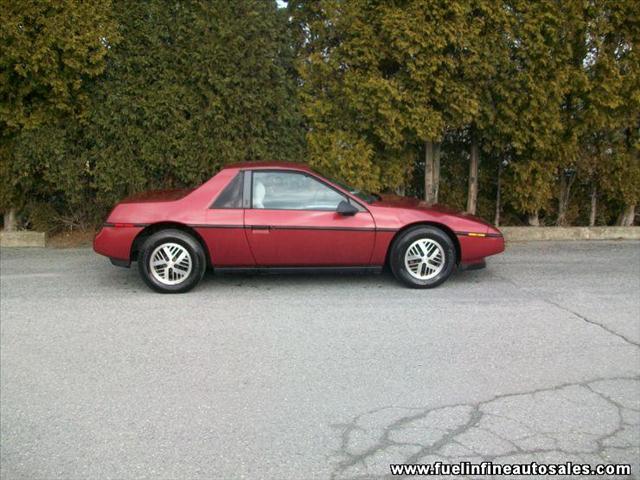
[
  {"x": 424, "y": 259},
  {"x": 170, "y": 263}
]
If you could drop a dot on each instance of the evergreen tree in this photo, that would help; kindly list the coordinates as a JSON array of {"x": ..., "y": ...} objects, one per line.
[
  {"x": 49, "y": 51},
  {"x": 381, "y": 84},
  {"x": 191, "y": 87}
]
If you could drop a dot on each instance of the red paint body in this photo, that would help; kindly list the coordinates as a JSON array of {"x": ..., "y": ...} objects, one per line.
[{"x": 288, "y": 237}]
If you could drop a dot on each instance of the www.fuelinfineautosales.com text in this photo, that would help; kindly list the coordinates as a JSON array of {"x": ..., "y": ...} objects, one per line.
[{"x": 489, "y": 468}]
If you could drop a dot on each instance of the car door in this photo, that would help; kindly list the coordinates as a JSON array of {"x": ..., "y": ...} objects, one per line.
[{"x": 293, "y": 222}]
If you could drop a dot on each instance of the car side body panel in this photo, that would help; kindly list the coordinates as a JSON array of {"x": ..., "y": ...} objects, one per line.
[
  {"x": 224, "y": 234},
  {"x": 191, "y": 211},
  {"x": 382, "y": 244},
  {"x": 390, "y": 216},
  {"x": 309, "y": 238}
]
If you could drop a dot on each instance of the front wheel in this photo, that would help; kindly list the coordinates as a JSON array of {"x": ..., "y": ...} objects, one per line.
[
  {"x": 171, "y": 261},
  {"x": 423, "y": 257}
]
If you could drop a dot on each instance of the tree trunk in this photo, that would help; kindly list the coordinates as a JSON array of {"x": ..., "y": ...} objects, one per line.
[
  {"x": 428, "y": 172},
  {"x": 563, "y": 201},
  {"x": 472, "y": 192},
  {"x": 436, "y": 171},
  {"x": 627, "y": 216},
  {"x": 496, "y": 220},
  {"x": 10, "y": 220},
  {"x": 594, "y": 204},
  {"x": 534, "y": 220}
]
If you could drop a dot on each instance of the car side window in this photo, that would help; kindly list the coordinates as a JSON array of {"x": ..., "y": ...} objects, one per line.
[
  {"x": 292, "y": 191},
  {"x": 231, "y": 196}
]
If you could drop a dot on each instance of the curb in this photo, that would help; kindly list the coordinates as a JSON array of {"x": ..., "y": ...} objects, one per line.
[
  {"x": 22, "y": 239},
  {"x": 528, "y": 234}
]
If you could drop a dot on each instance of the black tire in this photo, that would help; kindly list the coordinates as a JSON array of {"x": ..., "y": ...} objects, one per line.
[
  {"x": 404, "y": 242},
  {"x": 190, "y": 244}
]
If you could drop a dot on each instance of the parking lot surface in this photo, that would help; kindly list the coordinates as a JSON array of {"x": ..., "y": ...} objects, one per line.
[{"x": 535, "y": 358}]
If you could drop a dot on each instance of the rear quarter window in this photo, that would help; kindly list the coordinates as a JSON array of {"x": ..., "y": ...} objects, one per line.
[{"x": 231, "y": 196}]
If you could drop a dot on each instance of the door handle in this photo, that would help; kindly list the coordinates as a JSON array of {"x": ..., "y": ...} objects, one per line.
[{"x": 260, "y": 227}]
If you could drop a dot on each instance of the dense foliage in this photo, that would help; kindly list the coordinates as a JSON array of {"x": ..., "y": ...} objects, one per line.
[
  {"x": 524, "y": 112},
  {"x": 186, "y": 87},
  {"x": 453, "y": 100}
]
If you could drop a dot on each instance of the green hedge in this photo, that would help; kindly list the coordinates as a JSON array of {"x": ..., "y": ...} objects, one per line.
[{"x": 99, "y": 100}]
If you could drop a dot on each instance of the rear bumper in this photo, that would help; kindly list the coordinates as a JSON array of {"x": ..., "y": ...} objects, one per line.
[
  {"x": 120, "y": 263},
  {"x": 115, "y": 243}
]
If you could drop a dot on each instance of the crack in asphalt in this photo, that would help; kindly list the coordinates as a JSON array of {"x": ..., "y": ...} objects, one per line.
[
  {"x": 572, "y": 312},
  {"x": 593, "y": 322},
  {"x": 473, "y": 427},
  {"x": 348, "y": 460}
]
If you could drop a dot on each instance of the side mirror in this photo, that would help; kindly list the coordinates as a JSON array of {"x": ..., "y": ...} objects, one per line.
[{"x": 347, "y": 209}]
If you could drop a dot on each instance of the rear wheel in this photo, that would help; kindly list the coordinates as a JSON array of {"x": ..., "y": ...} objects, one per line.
[
  {"x": 423, "y": 257},
  {"x": 171, "y": 261}
]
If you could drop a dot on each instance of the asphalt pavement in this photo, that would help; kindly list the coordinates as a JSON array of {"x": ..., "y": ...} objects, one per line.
[{"x": 535, "y": 358}]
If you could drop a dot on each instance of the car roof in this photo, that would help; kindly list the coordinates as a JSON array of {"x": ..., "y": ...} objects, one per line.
[{"x": 270, "y": 165}]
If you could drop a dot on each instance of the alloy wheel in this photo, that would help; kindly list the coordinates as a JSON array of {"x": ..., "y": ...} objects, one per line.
[
  {"x": 424, "y": 259},
  {"x": 170, "y": 263}
]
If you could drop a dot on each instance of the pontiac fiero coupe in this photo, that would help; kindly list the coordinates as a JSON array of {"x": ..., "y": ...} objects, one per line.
[{"x": 285, "y": 216}]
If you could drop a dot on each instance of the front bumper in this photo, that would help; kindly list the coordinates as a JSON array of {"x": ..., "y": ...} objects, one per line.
[{"x": 475, "y": 248}]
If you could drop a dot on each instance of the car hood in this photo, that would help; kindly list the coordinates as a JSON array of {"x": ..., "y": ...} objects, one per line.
[
  {"x": 158, "y": 196},
  {"x": 397, "y": 201},
  {"x": 411, "y": 202}
]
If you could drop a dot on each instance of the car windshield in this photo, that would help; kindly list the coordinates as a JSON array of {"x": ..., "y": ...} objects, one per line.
[{"x": 361, "y": 194}]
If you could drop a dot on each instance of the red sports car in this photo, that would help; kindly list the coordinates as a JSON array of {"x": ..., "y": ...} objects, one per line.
[{"x": 285, "y": 216}]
